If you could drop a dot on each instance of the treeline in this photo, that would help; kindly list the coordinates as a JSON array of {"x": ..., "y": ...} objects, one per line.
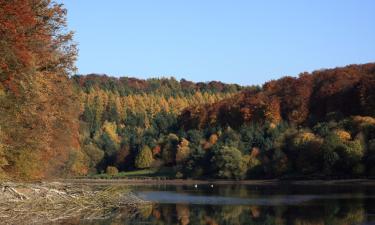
[
  {"x": 167, "y": 87},
  {"x": 317, "y": 125},
  {"x": 305, "y": 100},
  {"x": 124, "y": 117}
]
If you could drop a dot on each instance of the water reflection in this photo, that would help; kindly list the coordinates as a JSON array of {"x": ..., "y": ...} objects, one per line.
[{"x": 310, "y": 205}]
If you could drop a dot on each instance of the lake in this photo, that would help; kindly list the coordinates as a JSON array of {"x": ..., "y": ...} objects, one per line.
[{"x": 280, "y": 204}]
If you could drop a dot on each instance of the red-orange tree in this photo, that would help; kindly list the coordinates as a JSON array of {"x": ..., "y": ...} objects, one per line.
[{"x": 38, "y": 107}]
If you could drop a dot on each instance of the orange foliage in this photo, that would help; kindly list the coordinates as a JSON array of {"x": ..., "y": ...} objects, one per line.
[
  {"x": 156, "y": 150},
  {"x": 348, "y": 90},
  {"x": 40, "y": 120}
]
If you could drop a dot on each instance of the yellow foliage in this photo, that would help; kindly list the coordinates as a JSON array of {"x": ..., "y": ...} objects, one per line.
[
  {"x": 213, "y": 139},
  {"x": 183, "y": 150},
  {"x": 343, "y": 135},
  {"x": 25, "y": 166},
  {"x": 78, "y": 163},
  {"x": 111, "y": 170},
  {"x": 272, "y": 125},
  {"x": 148, "y": 102},
  {"x": 364, "y": 120},
  {"x": 184, "y": 143},
  {"x": 3, "y": 160},
  {"x": 2, "y": 92},
  {"x": 305, "y": 137},
  {"x": 111, "y": 130},
  {"x": 145, "y": 210}
]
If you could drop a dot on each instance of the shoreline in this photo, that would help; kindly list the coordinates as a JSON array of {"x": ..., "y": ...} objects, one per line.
[
  {"x": 95, "y": 199},
  {"x": 48, "y": 202},
  {"x": 177, "y": 182}
]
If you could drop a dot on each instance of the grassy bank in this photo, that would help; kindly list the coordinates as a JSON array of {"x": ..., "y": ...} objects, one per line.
[
  {"x": 158, "y": 181},
  {"x": 163, "y": 173}
]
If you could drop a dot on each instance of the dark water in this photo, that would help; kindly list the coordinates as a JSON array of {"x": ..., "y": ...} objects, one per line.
[{"x": 249, "y": 204}]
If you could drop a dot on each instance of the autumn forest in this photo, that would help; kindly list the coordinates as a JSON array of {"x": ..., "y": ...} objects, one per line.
[{"x": 55, "y": 123}]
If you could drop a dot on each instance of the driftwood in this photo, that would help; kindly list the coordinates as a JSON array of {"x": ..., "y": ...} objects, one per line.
[{"x": 46, "y": 203}]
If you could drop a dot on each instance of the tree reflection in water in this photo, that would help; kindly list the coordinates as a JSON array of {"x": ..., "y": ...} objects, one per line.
[{"x": 333, "y": 208}]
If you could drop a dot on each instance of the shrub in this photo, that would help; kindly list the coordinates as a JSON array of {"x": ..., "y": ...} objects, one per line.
[
  {"x": 111, "y": 170},
  {"x": 305, "y": 152},
  {"x": 94, "y": 153},
  {"x": 144, "y": 158},
  {"x": 228, "y": 163},
  {"x": 169, "y": 151},
  {"x": 351, "y": 153},
  {"x": 77, "y": 164},
  {"x": 179, "y": 175}
]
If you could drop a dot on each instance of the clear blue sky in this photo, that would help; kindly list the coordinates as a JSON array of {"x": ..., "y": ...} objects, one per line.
[{"x": 235, "y": 41}]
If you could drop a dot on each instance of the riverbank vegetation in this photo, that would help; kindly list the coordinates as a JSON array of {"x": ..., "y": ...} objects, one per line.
[{"x": 57, "y": 124}]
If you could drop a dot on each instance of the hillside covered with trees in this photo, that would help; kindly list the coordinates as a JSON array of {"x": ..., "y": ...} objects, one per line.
[
  {"x": 57, "y": 124},
  {"x": 124, "y": 120},
  {"x": 317, "y": 125}
]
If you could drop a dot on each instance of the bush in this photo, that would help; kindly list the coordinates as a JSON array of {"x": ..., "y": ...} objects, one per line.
[
  {"x": 228, "y": 163},
  {"x": 179, "y": 175},
  {"x": 351, "y": 154},
  {"x": 169, "y": 151},
  {"x": 94, "y": 153},
  {"x": 192, "y": 167},
  {"x": 144, "y": 158},
  {"x": 111, "y": 170},
  {"x": 304, "y": 150}
]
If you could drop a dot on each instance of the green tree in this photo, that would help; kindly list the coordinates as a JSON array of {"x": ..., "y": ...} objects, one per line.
[
  {"x": 304, "y": 150},
  {"x": 195, "y": 164},
  {"x": 228, "y": 163},
  {"x": 95, "y": 155},
  {"x": 170, "y": 149},
  {"x": 144, "y": 158},
  {"x": 351, "y": 155},
  {"x": 230, "y": 138}
]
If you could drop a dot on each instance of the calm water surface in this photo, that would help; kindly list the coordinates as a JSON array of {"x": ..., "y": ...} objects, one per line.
[{"x": 252, "y": 204}]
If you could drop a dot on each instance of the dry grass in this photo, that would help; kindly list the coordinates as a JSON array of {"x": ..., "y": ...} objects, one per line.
[{"x": 51, "y": 202}]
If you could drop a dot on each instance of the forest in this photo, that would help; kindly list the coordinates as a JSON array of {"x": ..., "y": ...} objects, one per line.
[{"x": 54, "y": 123}]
